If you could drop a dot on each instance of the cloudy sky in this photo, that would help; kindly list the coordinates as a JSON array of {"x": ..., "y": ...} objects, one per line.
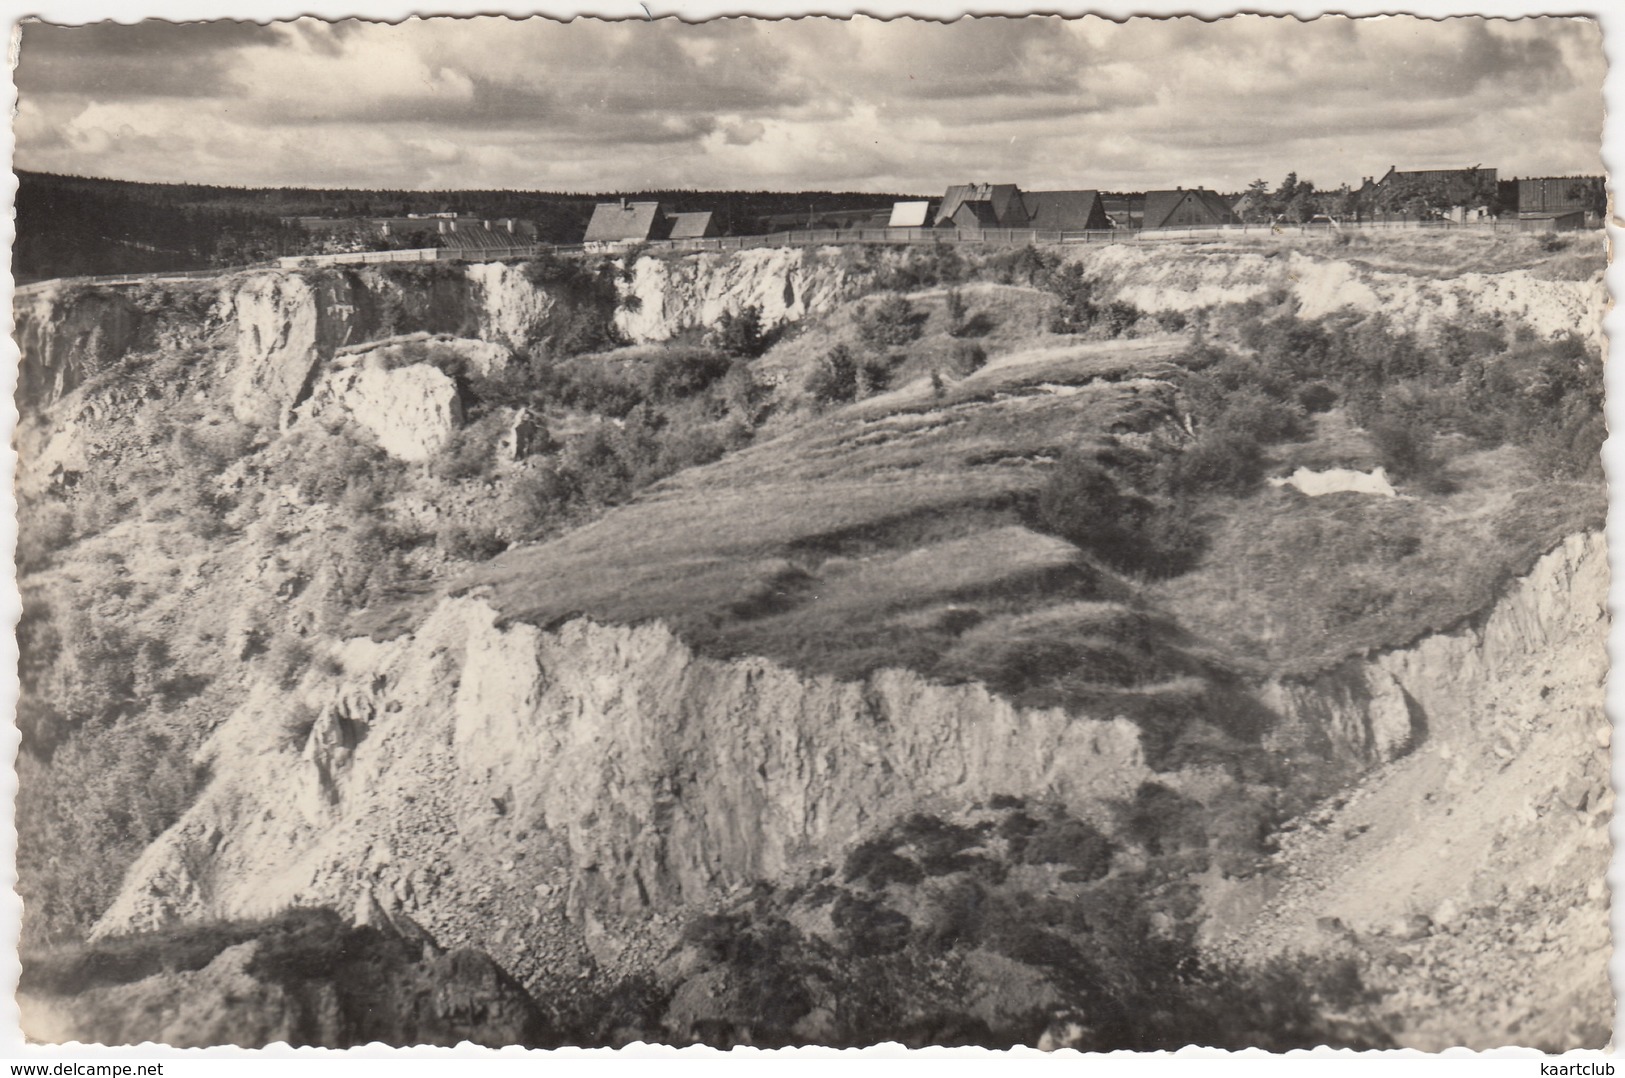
[{"x": 813, "y": 103}]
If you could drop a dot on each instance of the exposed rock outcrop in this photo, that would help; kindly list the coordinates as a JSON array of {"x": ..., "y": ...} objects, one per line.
[
  {"x": 1155, "y": 279},
  {"x": 670, "y": 295},
  {"x": 664, "y": 777},
  {"x": 412, "y": 411},
  {"x": 287, "y": 324},
  {"x": 66, "y": 334},
  {"x": 305, "y": 978},
  {"x": 619, "y": 772},
  {"x": 1337, "y": 481},
  {"x": 1548, "y": 627}
]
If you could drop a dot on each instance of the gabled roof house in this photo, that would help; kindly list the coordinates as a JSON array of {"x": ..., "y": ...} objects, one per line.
[
  {"x": 1065, "y": 211},
  {"x": 1181, "y": 208},
  {"x": 690, "y": 226},
  {"x": 625, "y": 222},
  {"x": 982, "y": 205}
]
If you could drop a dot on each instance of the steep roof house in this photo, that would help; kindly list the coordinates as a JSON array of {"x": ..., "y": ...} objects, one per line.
[
  {"x": 1561, "y": 195},
  {"x": 1434, "y": 190},
  {"x": 910, "y": 215},
  {"x": 982, "y": 205},
  {"x": 625, "y": 222},
  {"x": 1181, "y": 208},
  {"x": 1065, "y": 211},
  {"x": 691, "y": 226}
]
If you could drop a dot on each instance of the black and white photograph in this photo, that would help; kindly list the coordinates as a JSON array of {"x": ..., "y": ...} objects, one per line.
[{"x": 1014, "y": 531}]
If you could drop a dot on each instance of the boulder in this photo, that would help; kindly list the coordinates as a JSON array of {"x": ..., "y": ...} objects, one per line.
[{"x": 412, "y": 411}]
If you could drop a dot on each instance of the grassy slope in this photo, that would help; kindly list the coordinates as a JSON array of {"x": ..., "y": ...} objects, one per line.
[
  {"x": 871, "y": 536},
  {"x": 880, "y": 532}
]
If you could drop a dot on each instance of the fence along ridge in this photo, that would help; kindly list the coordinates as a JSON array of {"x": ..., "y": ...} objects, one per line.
[{"x": 799, "y": 238}]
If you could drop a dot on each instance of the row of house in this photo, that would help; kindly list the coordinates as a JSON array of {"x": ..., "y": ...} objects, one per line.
[
  {"x": 623, "y": 222},
  {"x": 442, "y": 229},
  {"x": 1460, "y": 194},
  {"x": 1540, "y": 203}
]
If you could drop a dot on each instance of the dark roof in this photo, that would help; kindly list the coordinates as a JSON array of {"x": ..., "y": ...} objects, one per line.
[
  {"x": 1000, "y": 196},
  {"x": 1160, "y": 206},
  {"x": 689, "y": 226},
  {"x": 621, "y": 222},
  {"x": 478, "y": 237},
  {"x": 982, "y": 213},
  {"x": 1065, "y": 211},
  {"x": 1438, "y": 174}
]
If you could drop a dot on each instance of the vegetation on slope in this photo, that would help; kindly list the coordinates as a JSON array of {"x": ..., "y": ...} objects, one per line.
[{"x": 1011, "y": 478}]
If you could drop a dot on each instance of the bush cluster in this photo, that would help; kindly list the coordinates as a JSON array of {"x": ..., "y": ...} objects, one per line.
[
  {"x": 1078, "y": 309},
  {"x": 1082, "y": 502},
  {"x": 1543, "y": 395},
  {"x": 891, "y": 322}
]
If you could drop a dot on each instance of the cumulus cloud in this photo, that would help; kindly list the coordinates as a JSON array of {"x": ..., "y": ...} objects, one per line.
[
  {"x": 903, "y": 105},
  {"x": 744, "y": 133}
]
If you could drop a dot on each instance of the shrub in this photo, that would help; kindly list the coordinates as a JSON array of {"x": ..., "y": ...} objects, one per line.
[
  {"x": 1405, "y": 444},
  {"x": 1027, "y": 265},
  {"x": 471, "y": 451},
  {"x": 1161, "y": 819},
  {"x": 739, "y": 333},
  {"x": 678, "y": 373},
  {"x": 597, "y": 464},
  {"x": 1079, "y": 312},
  {"x": 107, "y": 793},
  {"x": 1172, "y": 321},
  {"x": 835, "y": 379},
  {"x": 966, "y": 358},
  {"x": 866, "y": 928},
  {"x": 1317, "y": 397},
  {"x": 877, "y": 863},
  {"x": 873, "y": 376},
  {"x": 588, "y": 384},
  {"x": 536, "y": 500},
  {"x": 289, "y": 658},
  {"x": 954, "y": 306},
  {"x": 1219, "y": 459},
  {"x": 467, "y": 542},
  {"x": 1073, "y": 842},
  {"x": 1081, "y": 503},
  {"x": 1252, "y": 412},
  {"x": 42, "y": 530},
  {"x": 890, "y": 323}
]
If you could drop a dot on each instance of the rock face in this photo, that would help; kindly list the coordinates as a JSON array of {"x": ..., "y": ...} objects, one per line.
[
  {"x": 290, "y": 322},
  {"x": 64, "y": 336},
  {"x": 287, "y": 325},
  {"x": 412, "y": 411},
  {"x": 662, "y": 777},
  {"x": 480, "y": 357},
  {"x": 512, "y": 310},
  {"x": 1338, "y": 481},
  {"x": 1548, "y": 628},
  {"x": 612, "y": 771},
  {"x": 305, "y": 978},
  {"x": 674, "y": 294},
  {"x": 1155, "y": 279}
]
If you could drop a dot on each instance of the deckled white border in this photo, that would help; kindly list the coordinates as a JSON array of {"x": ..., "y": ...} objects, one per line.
[{"x": 1611, "y": 15}]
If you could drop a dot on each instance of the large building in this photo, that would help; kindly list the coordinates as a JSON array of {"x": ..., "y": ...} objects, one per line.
[
  {"x": 690, "y": 226},
  {"x": 1005, "y": 205},
  {"x": 1065, "y": 211},
  {"x": 1562, "y": 195},
  {"x": 982, "y": 205},
  {"x": 1186, "y": 208},
  {"x": 1456, "y": 193},
  {"x": 625, "y": 222}
]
